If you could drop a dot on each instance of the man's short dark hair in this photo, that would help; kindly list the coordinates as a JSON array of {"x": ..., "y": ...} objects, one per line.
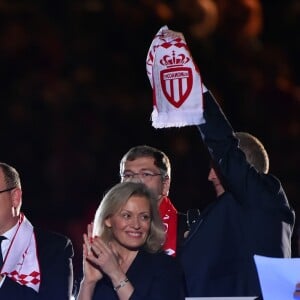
[
  {"x": 161, "y": 160},
  {"x": 11, "y": 175}
]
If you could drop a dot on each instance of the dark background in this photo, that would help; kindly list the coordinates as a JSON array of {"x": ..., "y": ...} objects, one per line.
[{"x": 75, "y": 96}]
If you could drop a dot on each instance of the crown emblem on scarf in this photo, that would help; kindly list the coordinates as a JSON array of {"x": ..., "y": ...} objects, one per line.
[{"x": 174, "y": 60}]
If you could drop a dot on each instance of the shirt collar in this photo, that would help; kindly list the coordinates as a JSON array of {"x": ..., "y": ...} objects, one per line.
[{"x": 9, "y": 234}]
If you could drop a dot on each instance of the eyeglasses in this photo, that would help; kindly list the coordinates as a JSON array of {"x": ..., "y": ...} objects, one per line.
[
  {"x": 143, "y": 176},
  {"x": 7, "y": 190}
]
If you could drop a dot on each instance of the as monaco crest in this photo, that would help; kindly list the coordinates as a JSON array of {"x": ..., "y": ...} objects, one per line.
[{"x": 176, "y": 80}]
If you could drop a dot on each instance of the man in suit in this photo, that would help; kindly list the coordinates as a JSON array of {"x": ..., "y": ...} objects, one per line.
[
  {"x": 251, "y": 214},
  {"x": 34, "y": 264}
]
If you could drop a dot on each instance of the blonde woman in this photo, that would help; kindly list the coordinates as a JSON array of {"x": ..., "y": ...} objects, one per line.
[{"x": 122, "y": 256}]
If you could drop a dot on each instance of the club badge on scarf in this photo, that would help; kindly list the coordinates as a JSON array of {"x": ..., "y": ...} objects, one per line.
[{"x": 175, "y": 80}]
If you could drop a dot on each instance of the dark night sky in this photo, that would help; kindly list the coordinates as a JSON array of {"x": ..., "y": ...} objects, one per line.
[{"x": 75, "y": 96}]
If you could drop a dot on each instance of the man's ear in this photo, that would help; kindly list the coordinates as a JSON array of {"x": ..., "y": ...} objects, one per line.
[
  {"x": 166, "y": 186},
  {"x": 16, "y": 195}
]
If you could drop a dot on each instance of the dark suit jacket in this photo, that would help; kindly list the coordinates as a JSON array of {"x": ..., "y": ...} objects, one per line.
[
  {"x": 182, "y": 227},
  {"x": 252, "y": 217},
  {"x": 154, "y": 277},
  {"x": 55, "y": 254}
]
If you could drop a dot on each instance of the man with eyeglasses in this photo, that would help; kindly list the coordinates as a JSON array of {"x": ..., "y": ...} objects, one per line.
[
  {"x": 152, "y": 167},
  {"x": 34, "y": 264}
]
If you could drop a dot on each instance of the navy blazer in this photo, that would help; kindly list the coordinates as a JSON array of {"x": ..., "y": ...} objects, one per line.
[
  {"x": 55, "y": 253},
  {"x": 153, "y": 276},
  {"x": 252, "y": 217}
]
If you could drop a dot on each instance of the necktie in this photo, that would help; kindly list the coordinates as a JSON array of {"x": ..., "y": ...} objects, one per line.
[{"x": 1, "y": 258}]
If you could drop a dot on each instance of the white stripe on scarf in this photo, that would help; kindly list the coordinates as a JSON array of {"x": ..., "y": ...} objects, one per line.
[{"x": 21, "y": 262}]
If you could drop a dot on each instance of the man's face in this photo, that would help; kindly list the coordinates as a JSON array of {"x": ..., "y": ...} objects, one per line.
[
  {"x": 145, "y": 165},
  {"x": 214, "y": 178}
]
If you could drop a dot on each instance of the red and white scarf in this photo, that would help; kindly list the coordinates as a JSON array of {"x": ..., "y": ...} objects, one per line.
[
  {"x": 175, "y": 80},
  {"x": 168, "y": 213},
  {"x": 21, "y": 262}
]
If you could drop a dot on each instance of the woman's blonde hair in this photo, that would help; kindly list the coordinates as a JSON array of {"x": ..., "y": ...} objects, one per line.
[{"x": 115, "y": 199}]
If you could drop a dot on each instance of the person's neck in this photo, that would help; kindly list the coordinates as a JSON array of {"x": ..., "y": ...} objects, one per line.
[
  {"x": 7, "y": 226},
  {"x": 160, "y": 199},
  {"x": 220, "y": 193}
]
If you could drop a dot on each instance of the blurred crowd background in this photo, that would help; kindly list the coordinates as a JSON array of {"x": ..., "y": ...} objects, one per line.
[{"x": 75, "y": 96}]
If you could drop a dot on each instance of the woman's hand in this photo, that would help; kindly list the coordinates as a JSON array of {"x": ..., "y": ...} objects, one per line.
[
  {"x": 107, "y": 259},
  {"x": 91, "y": 271}
]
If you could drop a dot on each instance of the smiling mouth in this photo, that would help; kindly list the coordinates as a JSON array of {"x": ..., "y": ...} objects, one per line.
[{"x": 134, "y": 234}]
